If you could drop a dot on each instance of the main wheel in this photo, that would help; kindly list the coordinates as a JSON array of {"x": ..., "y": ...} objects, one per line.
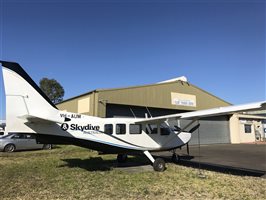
[
  {"x": 10, "y": 148},
  {"x": 121, "y": 158},
  {"x": 159, "y": 165},
  {"x": 47, "y": 146}
]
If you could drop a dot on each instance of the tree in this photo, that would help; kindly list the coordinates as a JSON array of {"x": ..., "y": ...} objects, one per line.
[{"x": 52, "y": 89}]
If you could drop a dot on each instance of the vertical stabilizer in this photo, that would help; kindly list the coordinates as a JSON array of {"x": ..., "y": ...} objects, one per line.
[{"x": 23, "y": 98}]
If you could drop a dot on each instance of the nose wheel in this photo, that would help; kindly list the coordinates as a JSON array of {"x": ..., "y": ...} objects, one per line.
[
  {"x": 158, "y": 163},
  {"x": 175, "y": 158}
]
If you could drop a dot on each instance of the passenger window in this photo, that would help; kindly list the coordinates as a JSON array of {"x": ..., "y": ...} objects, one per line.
[
  {"x": 135, "y": 129},
  {"x": 30, "y": 136},
  {"x": 120, "y": 129},
  {"x": 18, "y": 136},
  {"x": 151, "y": 128},
  {"x": 15, "y": 137},
  {"x": 108, "y": 129}
]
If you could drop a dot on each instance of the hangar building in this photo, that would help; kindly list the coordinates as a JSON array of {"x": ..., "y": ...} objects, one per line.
[{"x": 168, "y": 97}]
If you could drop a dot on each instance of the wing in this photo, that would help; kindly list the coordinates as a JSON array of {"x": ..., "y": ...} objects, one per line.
[{"x": 206, "y": 113}]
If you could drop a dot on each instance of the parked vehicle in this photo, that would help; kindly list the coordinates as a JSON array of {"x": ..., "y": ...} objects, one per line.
[
  {"x": 20, "y": 141},
  {"x": 1, "y": 131}
]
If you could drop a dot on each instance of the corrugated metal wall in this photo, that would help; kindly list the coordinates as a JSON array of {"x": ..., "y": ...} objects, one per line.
[{"x": 213, "y": 130}]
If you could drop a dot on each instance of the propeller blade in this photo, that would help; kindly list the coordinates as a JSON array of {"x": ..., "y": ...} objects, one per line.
[
  {"x": 177, "y": 128},
  {"x": 194, "y": 128},
  {"x": 187, "y": 149}
]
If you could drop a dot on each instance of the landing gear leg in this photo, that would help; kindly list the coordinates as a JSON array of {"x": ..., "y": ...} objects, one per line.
[
  {"x": 158, "y": 163},
  {"x": 121, "y": 158},
  {"x": 175, "y": 158}
]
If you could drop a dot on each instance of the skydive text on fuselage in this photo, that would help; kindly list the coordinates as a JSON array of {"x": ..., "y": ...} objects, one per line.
[{"x": 88, "y": 127}]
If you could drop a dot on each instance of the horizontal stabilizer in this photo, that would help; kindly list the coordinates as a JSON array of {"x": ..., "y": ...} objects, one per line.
[{"x": 32, "y": 118}]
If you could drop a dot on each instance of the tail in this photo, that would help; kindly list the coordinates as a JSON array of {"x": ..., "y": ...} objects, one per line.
[{"x": 25, "y": 101}]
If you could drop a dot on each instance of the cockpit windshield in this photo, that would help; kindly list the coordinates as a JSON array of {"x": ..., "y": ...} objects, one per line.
[
  {"x": 165, "y": 129},
  {"x": 176, "y": 128}
]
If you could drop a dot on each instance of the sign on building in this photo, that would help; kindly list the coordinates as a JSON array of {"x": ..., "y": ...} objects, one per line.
[{"x": 181, "y": 99}]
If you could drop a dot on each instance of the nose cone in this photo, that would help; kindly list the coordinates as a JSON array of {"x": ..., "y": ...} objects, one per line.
[{"x": 185, "y": 137}]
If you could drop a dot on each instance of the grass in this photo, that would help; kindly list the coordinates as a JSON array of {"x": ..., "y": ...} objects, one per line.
[{"x": 70, "y": 172}]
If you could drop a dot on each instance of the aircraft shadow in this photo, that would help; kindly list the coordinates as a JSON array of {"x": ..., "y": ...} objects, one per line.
[
  {"x": 188, "y": 161},
  {"x": 98, "y": 164}
]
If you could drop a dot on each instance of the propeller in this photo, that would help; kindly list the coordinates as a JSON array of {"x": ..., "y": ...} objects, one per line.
[
  {"x": 187, "y": 149},
  {"x": 194, "y": 128},
  {"x": 191, "y": 131},
  {"x": 177, "y": 128}
]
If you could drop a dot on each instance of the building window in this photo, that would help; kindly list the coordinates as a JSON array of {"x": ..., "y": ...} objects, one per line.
[
  {"x": 135, "y": 129},
  {"x": 120, "y": 129},
  {"x": 108, "y": 129},
  {"x": 247, "y": 128}
]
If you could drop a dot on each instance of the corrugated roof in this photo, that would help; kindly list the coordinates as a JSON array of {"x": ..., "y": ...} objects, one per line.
[{"x": 110, "y": 89}]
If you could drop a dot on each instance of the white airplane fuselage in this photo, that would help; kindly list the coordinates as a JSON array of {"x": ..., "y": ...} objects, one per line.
[{"x": 110, "y": 135}]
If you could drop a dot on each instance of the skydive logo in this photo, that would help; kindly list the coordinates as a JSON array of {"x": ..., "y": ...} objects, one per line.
[
  {"x": 76, "y": 127},
  {"x": 64, "y": 127}
]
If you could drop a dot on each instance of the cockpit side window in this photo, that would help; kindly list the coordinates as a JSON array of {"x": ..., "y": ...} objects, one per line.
[{"x": 151, "y": 128}]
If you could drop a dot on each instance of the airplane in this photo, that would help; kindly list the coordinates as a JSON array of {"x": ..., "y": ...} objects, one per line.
[{"x": 29, "y": 110}]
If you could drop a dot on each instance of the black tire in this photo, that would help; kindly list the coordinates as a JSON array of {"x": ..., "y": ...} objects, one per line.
[
  {"x": 121, "y": 158},
  {"x": 159, "y": 165},
  {"x": 10, "y": 148},
  {"x": 175, "y": 158},
  {"x": 47, "y": 146}
]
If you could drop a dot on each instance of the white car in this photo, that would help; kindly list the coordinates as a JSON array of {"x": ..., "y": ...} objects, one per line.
[{"x": 20, "y": 141}]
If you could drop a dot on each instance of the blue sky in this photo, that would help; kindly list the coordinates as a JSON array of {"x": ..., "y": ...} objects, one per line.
[{"x": 219, "y": 45}]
